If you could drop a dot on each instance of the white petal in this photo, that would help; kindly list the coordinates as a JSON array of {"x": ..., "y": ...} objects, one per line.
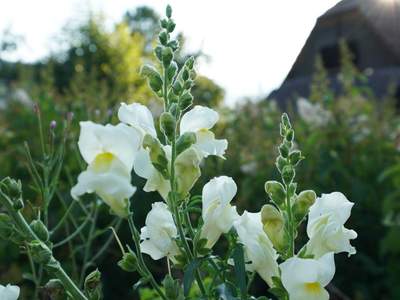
[
  {"x": 335, "y": 204},
  {"x": 137, "y": 115},
  {"x": 159, "y": 233},
  {"x": 258, "y": 248},
  {"x": 306, "y": 271},
  {"x": 207, "y": 145},
  {"x": 156, "y": 182},
  {"x": 121, "y": 140},
  {"x": 217, "y": 221},
  {"x": 112, "y": 185},
  {"x": 326, "y": 268},
  {"x": 221, "y": 189},
  {"x": 198, "y": 118},
  {"x": 9, "y": 292},
  {"x": 142, "y": 164}
]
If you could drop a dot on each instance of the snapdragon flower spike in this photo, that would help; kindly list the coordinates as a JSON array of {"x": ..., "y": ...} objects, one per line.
[
  {"x": 159, "y": 234},
  {"x": 109, "y": 152},
  {"x": 325, "y": 226},
  {"x": 200, "y": 120},
  {"x": 258, "y": 248},
  {"x": 305, "y": 279},
  {"x": 9, "y": 292},
  {"x": 218, "y": 215}
]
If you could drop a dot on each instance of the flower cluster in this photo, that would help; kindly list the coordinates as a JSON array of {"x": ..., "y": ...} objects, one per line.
[{"x": 177, "y": 228}]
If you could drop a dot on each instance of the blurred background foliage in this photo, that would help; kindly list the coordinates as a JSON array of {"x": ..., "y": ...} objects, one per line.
[{"x": 352, "y": 147}]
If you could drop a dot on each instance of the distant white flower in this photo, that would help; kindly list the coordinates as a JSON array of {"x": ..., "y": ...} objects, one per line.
[
  {"x": 313, "y": 113},
  {"x": 109, "y": 151},
  {"x": 158, "y": 236},
  {"x": 9, "y": 292},
  {"x": 218, "y": 215},
  {"x": 305, "y": 279},
  {"x": 200, "y": 120},
  {"x": 258, "y": 249},
  {"x": 325, "y": 226}
]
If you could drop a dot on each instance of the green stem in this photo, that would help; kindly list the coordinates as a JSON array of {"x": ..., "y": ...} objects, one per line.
[
  {"x": 147, "y": 274},
  {"x": 64, "y": 218},
  {"x": 89, "y": 243},
  {"x": 30, "y": 236},
  {"x": 290, "y": 221}
]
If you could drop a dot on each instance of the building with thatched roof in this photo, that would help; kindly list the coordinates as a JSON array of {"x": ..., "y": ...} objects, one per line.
[{"x": 371, "y": 29}]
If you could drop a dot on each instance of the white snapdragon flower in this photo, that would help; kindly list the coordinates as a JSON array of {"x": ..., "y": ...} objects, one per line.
[
  {"x": 325, "y": 226},
  {"x": 218, "y": 215},
  {"x": 200, "y": 120},
  {"x": 9, "y": 292},
  {"x": 313, "y": 113},
  {"x": 305, "y": 279},
  {"x": 258, "y": 249},
  {"x": 109, "y": 152},
  {"x": 158, "y": 236},
  {"x": 139, "y": 116}
]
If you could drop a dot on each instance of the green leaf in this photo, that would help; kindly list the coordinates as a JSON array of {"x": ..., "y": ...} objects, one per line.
[
  {"x": 240, "y": 270},
  {"x": 188, "y": 276}
]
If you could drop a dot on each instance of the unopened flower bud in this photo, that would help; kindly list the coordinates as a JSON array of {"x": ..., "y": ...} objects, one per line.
[
  {"x": 153, "y": 77},
  {"x": 167, "y": 56},
  {"x": 54, "y": 290},
  {"x": 177, "y": 87},
  {"x": 190, "y": 62},
  {"x": 276, "y": 192},
  {"x": 185, "y": 141},
  {"x": 186, "y": 100},
  {"x": 286, "y": 121},
  {"x": 13, "y": 187},
  {"x": 171, "y": 25},
  {"x": 168, "y": 11},
  {"x": 174, "y": 110},
  {"x": 158, "y": 52},
  {"x": 40, "y": 230},
  {"x": 53, "y": 124},
  {"x": 273, "y": 225},
  {"x": 303, "y": 203},
  {"x": 41, "y": 254},
  {"x": 168, "y": 124},
  {"x": 171, "y": 71},
  {"x": 288, "y": 174},
  {"x": 92, "y": 285},
  {"x": 163, "y": 37},
  {"x": 185, "y": 74},
  {"x": 281, "y": 163},
  {"x": 128, "y": 263},
  {"x": 295, "y": 157},
  {"x": 290, "y": 135},
  {"x": 172, "y": 288},
  {"x": 284, "y": 150}
]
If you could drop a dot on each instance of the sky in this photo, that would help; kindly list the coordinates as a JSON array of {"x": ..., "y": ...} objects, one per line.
[{"x": 251, "y": 43}]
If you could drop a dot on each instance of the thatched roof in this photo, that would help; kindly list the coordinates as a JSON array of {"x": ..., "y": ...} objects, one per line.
[{"x": 382, "y": 15}]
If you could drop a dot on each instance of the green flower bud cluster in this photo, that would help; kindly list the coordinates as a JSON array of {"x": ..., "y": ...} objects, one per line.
[
  {"x": 92, "y": 285},
  {"x": 40, "y": 230},
  {"x": 54, "y": 290},
  {"x": 173, "y": 290},
  {"x": 129, "y": 262},
  {"x": 13, "y": 189},
  {"x": 288, "y": 209}
]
